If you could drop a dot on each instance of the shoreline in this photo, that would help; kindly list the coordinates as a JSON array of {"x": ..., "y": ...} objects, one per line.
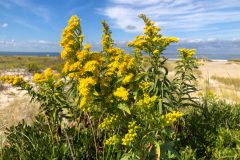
[
  {"x": 170, "y": 59},
  {"x": 209, "y": 60}
]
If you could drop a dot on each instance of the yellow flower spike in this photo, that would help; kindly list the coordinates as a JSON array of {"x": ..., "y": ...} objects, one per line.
[
  {"x": 109, "y": 122},
  {"x": 128, "y": 78},
  {"x": 66, "y": 67},
  {"x": 130, "y": 137},
  {"x": 144, "y": 85},
  {"x": 85, "y": 85},
  {"x": 68, "y": 41},
  {"x": 83, "y": 102},
  {"x": 13, "y": 80},
  {"x": 112, "y": 140},
  {"x": 170, "y": 118},
  {"x": 107, "y": 41}
]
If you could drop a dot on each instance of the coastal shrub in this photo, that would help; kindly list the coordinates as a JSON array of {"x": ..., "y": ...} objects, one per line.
[
  {"x": 106, "y": 105},
  {"x": 2, "y": 87},
  {"x": 33, "y": 68},
  {"x": 212, "y": 130}
]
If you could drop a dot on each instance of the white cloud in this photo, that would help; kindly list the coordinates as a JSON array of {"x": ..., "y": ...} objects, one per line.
[
  {"x": 4, "y": 25},
  {"x": 137, "y": 2},
  {"x": 203, "y": 46},
  {"x": 173, "y": 15},
  {"x": 29, "y": 46}
]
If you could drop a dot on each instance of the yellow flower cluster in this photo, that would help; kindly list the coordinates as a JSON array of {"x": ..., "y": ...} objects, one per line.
[
  {"x": 119, "y": 63},
  {"x": 71, "y": 38},
  {"x": 86, "y": 62},
  {"x": 108, "y": 122},
  {"x": 168, "y": 40},
  {"x": 91, "y": 66},
  {"x": 47, "y": 75},
  {"x": 150, "y": 28},
  {"x": 187, "y": 53},
  {"x": 147, "y": 101},
  {"x": 170, "y": 118},
  {"x": 151, "y": 42},
  {"x": 130, "y": 137},
  {"x": 81, "y": 64},
  {"x": 13, "y": 80},
  {"x": 121, "y": 93},
  {"x": 112, "y": 140}
]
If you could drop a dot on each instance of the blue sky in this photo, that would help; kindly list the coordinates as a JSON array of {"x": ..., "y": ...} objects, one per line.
[{"x": 36, "y": 25}]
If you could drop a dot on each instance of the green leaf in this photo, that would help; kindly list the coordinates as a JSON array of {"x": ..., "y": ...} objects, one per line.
[
  {"x": 160, "y": 107},
  {"x": 129, "y": 156},
  {"x": 124, "y": 108},
  {"x": 169, "y": 146},
  {"x": 158, "y": 150},
  {"x": 126, "y": 157},
  {"x": 140, "y": 75}
]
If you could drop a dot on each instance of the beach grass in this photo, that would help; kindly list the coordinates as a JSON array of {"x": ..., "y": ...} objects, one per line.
[
  {"x": 234, "y": 60},
  {"x": 31, "y": 63},
  {"x": 228, "y": 81}
]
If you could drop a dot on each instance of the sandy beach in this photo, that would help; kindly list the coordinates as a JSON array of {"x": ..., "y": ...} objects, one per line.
[{"x": 220, "y": 68}]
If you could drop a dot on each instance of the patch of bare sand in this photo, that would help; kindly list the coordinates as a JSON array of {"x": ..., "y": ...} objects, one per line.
[{"x": 220, "y": 68}]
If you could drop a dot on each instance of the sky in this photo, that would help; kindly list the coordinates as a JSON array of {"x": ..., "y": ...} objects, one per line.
[{"x": 210, "y": 26}]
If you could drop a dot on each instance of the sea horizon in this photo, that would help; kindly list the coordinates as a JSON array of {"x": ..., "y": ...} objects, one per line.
[{"x": 168, "y": 55}]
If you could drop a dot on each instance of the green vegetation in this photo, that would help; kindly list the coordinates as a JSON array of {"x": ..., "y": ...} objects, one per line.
[
  {"x": 211, "y": 131},
  {"x": 31, "y": 63},
  {"x": 234, "y": 60},
  {"x": 113, "y": 105}
]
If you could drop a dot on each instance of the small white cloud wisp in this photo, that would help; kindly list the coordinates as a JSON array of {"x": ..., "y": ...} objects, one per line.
[{"x": 4, "y": 25}]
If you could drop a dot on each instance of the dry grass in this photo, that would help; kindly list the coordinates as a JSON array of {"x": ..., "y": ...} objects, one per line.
[
  {"x": 222, "y": 87},
  {"x": 19, "y": 109},
  {"x": 170, "y": 65},
  {"x": 2, "y": 87},
  {"x": 237, "y": 60},
  {"x": 228, "y": 81},
  {"x": 15, "y": 112}
]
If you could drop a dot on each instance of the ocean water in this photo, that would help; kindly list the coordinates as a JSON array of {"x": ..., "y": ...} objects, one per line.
[
  {"x": 29, "y": 53},
  {"x": 168, "y": 55}
]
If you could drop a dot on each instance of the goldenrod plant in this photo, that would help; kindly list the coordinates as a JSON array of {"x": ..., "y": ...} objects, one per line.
[{"x": 105, "y": 105}]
